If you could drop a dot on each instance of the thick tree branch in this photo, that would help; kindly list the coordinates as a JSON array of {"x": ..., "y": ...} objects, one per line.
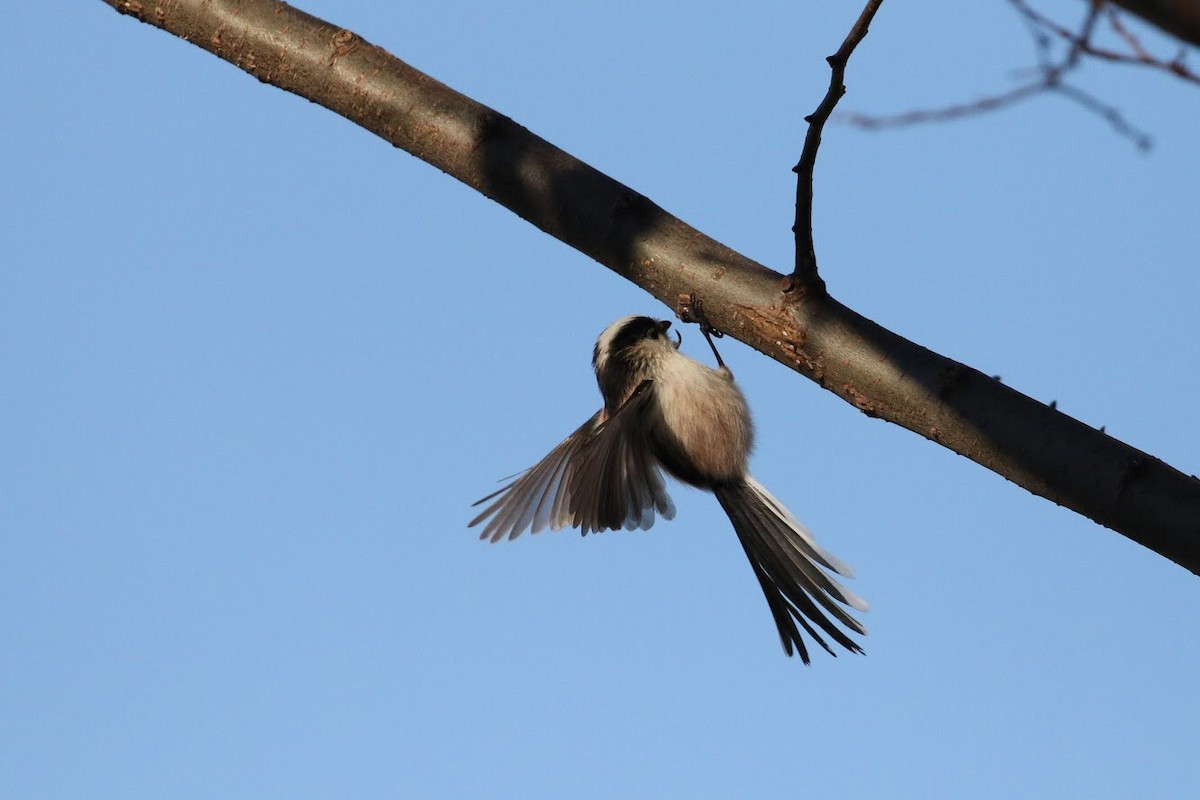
[{"x": 880, "y": 373}]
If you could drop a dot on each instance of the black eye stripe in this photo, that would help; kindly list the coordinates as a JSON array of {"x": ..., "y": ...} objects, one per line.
[{"x": 634, "y": 331}]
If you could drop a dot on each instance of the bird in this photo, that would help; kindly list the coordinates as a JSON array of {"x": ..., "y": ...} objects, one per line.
[{"x": 667, "y": 412}]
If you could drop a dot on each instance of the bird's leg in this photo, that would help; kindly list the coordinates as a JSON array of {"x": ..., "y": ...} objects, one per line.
[
  {"x": 709, "y": 332},
  {"x": 690, "y": 309}
]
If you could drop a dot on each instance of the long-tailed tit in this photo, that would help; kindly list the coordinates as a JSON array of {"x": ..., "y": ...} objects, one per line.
[{"x": 665, "y": 410}]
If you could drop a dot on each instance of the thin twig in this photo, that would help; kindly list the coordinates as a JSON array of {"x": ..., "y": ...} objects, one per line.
[
  {"x": 1131, "y": 41},
  {"x": 805, "y": 273},
  {"x": 1052, "y": 73},
  {"x": 1141, "y": 139},
  {"x": 945, "y": 113},
  {"x": 1081, "y": 41}
]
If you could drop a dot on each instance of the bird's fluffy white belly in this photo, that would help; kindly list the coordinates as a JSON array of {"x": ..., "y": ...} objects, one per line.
[{"x": 695, "y": 404}]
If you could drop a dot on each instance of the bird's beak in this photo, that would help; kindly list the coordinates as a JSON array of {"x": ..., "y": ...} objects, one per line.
[{"x": 664, "y": 325}]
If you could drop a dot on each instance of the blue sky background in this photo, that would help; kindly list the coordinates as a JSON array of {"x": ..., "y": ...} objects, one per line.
[{"x": 257, "y": 364}]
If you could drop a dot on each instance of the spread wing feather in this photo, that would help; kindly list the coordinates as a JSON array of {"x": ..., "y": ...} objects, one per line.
[{"x": 601, "y": 477}]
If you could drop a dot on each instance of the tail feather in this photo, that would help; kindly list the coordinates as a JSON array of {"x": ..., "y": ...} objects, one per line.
[
  {"x": 788, "y": 565},
  {"x": 807, "y": 578},
  {"x": 802, "y": 539}
]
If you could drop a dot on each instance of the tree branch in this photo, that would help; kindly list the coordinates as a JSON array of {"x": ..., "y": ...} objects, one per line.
[
  {"x": 805, "y": 272},
  {"x": 1052, "y": 74},
  {"x": 1081, "y": 42},
  {"x": 1179, "y": 18},
  {"x": 879, "y": 372}
]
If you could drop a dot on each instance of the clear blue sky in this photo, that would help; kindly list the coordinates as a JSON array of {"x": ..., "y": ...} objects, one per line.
[{"x": 256, "y": 364}]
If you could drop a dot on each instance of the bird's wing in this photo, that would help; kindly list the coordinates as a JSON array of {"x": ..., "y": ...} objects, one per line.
[
  {"x": 617, "y": 483},
  {"x": 602, "y": 476}
]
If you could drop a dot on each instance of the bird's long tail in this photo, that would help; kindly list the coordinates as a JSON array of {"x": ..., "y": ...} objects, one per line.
[{"x": 792, "y": 570}]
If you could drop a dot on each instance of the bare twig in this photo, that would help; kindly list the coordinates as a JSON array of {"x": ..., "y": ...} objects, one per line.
[
  {"x": 1051, "y": 73},
  {"x": 805, "y": 273},
  {"x": 1131, "y": 41},
  {"x": 1109, "y": 114},
  {"x": 945, "y": 113},
  {"x": 1081, "y": 41}
]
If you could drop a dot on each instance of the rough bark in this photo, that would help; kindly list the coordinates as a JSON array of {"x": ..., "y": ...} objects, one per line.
[{"x": 877, "y": 371}]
